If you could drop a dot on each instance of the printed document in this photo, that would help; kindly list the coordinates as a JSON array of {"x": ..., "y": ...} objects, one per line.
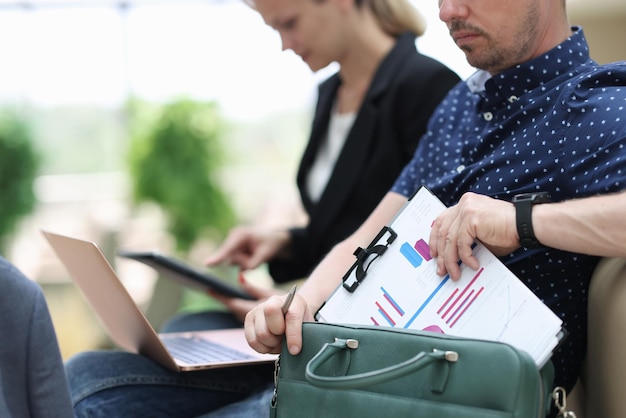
[{"x": 400, "y": 288}]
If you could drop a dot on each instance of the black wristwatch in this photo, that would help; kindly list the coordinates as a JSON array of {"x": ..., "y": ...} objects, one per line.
[{"x": 523, "y": 216}]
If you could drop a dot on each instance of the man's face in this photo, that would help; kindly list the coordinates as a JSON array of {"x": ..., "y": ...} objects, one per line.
[{"x": 495, "y": 34}]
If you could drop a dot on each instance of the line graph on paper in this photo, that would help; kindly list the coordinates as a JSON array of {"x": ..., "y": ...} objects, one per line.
[{"x": 510, "y": 316}]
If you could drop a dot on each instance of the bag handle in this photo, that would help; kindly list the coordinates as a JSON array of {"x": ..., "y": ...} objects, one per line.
[{"x": 419, "y": 361}]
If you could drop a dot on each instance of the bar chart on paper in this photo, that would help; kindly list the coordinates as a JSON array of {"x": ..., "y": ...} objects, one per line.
[
  {"x": 388, "y": 309},
  {"x": 419, "y": 302},
  {"x": 401, "y": 289},
  {"x": 459, "y": 302}
]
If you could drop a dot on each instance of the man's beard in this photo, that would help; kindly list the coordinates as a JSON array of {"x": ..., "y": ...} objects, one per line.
[{"x": 496, "y": 57}]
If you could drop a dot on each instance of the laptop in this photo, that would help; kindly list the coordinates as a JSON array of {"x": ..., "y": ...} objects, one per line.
[{"x": 128, "y": 327}]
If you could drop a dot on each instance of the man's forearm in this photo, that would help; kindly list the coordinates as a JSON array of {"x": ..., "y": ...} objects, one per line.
[{"x": 595, "y": 225}]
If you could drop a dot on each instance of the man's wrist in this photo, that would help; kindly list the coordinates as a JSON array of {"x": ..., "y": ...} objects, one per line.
[
  {"x": 524, "y": 204},
  {"x": 539, "y": 222}
]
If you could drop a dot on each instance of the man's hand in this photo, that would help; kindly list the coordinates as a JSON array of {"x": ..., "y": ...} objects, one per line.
[
  {"x": 265, "y": 325},
  {"x": 475, "y": 217}
]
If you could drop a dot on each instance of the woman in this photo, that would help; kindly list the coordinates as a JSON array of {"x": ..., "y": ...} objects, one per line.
[{"x": 367, "y": 123}]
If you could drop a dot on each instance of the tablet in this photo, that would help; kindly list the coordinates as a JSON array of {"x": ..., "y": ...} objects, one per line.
[{"x": 185, "y": 274}]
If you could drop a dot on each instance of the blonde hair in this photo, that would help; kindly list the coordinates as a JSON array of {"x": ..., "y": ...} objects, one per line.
[
  {"x": 393, "y": 16},
  {"x": 396, "y": 16}
]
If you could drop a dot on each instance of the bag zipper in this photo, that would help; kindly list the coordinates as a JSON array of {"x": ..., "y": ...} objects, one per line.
[{"x": 276, "y": 373}]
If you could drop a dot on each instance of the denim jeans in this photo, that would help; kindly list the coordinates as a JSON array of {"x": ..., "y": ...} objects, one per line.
[
  {"x": 257, "y": 405},
  {"x": 120, "y": 384}
]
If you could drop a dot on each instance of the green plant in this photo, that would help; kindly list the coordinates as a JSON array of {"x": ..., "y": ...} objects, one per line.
[
  {"x": 19, "y": 165},
  {"x": 174, "y": 162}
]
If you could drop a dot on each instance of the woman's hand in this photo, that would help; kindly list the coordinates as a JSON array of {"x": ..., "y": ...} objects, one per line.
[
  {"x": 249, "y": 247},
  {"x": 266, "y": 325}
]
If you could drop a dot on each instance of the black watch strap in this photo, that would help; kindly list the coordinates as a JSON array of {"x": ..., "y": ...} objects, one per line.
[{"x": 523, "y": 216}]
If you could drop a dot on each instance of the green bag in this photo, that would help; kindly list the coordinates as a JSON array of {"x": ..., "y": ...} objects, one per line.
[{"x": 364, "y": 371}]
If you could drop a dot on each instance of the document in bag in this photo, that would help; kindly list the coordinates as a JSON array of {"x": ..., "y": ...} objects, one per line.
[{"x": 394, "y": 283}]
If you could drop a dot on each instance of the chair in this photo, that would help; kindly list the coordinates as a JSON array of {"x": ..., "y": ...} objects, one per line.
[{"x": 601, "y": 392}]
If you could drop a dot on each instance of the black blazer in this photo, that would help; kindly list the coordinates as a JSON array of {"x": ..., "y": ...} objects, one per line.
[{"x": 393, "y": 116}]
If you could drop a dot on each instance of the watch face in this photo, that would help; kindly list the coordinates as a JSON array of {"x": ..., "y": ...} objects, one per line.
[
  {"x": 539, "y": 197},
  {"x": 523, "y": 216},
  {"x": 521, "y": 197}
]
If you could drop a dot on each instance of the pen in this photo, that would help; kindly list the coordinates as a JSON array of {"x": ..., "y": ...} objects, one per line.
[{"x": 289, "y": 299}]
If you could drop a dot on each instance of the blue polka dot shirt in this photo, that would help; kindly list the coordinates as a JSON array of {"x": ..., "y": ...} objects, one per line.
[{"x": 556, "y": 123}]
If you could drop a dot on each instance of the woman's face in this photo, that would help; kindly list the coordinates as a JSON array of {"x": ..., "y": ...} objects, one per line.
[{"x": 313, "y": 29}]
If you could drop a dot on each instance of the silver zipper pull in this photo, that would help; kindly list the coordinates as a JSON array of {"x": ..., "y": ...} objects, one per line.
[
  {"x": 560, "y": 400},
  {"x": 276, "y": 374}
]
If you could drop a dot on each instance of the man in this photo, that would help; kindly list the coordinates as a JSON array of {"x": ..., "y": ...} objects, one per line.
[{"x": 539, "y": 116}]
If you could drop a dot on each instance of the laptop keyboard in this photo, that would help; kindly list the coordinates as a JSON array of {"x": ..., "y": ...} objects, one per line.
[{"x": 198, "y": 351}]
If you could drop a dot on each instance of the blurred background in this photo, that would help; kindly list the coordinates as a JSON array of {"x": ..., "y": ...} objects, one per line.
[{"x": 114, "y": 115}]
